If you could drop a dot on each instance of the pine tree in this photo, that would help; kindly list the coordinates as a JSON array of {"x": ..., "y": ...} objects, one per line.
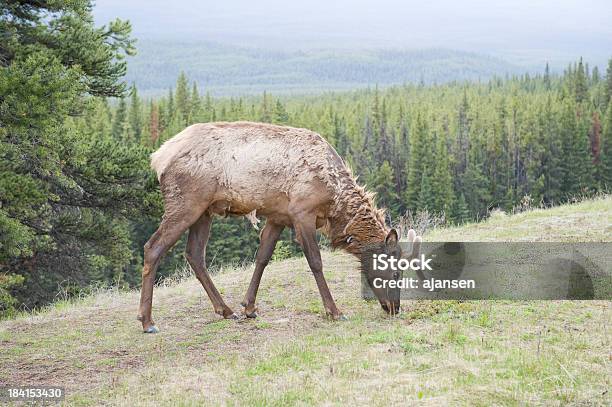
[
  {"x": 427, "y": 197},
  {"x": 99, "y": 118},
  {"x": 280, "y": 114},
  {"x": 342, "y": 141},
  {"x": 547, "y": 83},
  {"x": 595, "y": 137},
  {"x": 595, "y": 78},
  {"x": 170, "y": 111},
  {"x": 461, "y": 145},
  {"x": 135, "y": 114},
  {"x": 266, "y": 109},
  {"x": 119, "y": 120},
  {"x": 176, "y": 125},
  {"x": 381, "y": 181},
  {"x": 442, "y": 178},
  {"x": 381, "y": 150},
  {"x": 552, "y": 149},
  {"x": 476, "y": 190},
  {"x": 127, "y": 134},
  {"x": 401, "y": 159},
  {"x": 416, "y": 164},
  {"x": 154, "y": 125},
  {"x": 604, "y": 168},
  {"x": 183, "y": 107},
  {"x": 366, "y": 155},
  {"x": 460, "y": 212},
  {"x": 576, "y": 166},
  {"x": 608, "y": 85},
  {"x": 195, "y": 111},
  {"x": 580, "y": 83},
  {"x": 209, "y": 110},
  {"x": 501, "y": 160}
]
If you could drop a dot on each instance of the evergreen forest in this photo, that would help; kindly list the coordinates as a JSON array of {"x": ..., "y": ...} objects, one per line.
[{"x": 78, "y": 199}]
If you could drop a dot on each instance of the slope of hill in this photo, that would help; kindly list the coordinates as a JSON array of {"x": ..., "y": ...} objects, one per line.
[
  {"x": 587, "y": 221},
  {"x": 434, "y": 353},
  {"x": 228, "y": 70}
]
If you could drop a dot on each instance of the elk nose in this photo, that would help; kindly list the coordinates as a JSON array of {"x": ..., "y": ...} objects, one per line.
[
  {"x": 391, "y": 308},
  {"x": 395, "y": 308}
]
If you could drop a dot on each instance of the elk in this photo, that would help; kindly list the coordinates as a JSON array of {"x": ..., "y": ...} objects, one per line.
[{"x": 290, "y": 176}]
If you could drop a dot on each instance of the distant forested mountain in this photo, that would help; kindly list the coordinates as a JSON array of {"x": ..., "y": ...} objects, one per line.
[
  {"x": 525, "y": 32},
  {"x": 229, "y": 70}
]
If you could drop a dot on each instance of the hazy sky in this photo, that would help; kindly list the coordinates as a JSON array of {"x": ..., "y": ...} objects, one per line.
[{"x": 535, "y": 30}]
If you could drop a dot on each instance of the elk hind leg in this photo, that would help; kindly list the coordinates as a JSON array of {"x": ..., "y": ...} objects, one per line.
[
  {"x": 173, "y": 225},
  {"x": 305, "y": 227},
  {"x": 268, "y": 238},
  {"x": 195, "y": 253}
]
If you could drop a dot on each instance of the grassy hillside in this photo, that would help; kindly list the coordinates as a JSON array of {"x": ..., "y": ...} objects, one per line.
[
  {"x": 587, "y": 221},
  {"x": 435, "y": 353}
]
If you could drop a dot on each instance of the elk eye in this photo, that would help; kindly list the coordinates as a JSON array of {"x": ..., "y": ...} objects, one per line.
[{"x": 349, "y": 239}]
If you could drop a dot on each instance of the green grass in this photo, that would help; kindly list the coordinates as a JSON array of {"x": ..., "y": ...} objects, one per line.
[{"x": 435, "y": 353}]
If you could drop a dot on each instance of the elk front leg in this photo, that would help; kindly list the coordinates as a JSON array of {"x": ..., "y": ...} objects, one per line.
[
  {"x": 268, "y": 238},
  {"x": 305, "y": 227}
]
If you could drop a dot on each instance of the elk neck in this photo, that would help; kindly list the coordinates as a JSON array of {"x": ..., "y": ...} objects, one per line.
[{"x": 355, "y": 222}]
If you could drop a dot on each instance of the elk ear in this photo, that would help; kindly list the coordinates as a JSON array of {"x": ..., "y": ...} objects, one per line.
[{"x": 392, "y": 239}]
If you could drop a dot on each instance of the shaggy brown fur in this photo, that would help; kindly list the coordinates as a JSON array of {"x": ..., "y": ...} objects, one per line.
[
  {"x": 290, "y": 176},
  {"x": 250, "y": 159}
]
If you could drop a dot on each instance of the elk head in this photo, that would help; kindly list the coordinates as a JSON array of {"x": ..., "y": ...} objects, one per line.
[{"x": 379, "y": 278}]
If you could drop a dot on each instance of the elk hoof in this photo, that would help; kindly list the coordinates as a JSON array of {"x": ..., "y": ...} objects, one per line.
[
  {"x": 151, "y": 330},
  {"x": 233, "y": 315},
  {"x": 249, "y": 313},
  {"x": 339, "y": 317}
]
